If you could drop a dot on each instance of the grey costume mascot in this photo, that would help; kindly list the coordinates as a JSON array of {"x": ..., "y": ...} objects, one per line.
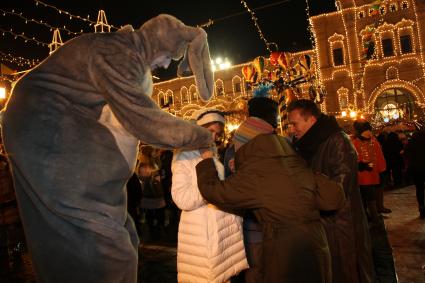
[{"x": 71, "y": 130}]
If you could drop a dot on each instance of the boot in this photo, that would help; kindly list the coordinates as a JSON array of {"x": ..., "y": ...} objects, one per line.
[
  {"x": 422, "y": 212},
  {"x": 380, "y": 201}
]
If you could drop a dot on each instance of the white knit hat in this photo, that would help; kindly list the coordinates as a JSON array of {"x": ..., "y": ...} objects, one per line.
[{"x": 208, "y": 115}]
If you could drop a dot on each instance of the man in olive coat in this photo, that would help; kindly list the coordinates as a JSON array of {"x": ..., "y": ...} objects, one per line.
[{"x": 285, "y": 196}]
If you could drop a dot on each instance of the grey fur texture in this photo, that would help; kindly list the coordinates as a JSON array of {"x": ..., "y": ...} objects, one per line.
[{"x": 69, "y": 172}]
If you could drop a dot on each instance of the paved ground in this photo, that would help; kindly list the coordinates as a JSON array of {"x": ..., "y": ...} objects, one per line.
[{"x": 406, "y": 232}]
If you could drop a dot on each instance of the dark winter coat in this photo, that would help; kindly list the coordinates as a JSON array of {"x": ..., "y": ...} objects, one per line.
[
  {"x": 415, "y": 153},
  {"x": 286, "y": 198},
  {"x": 329, "y": 150}
]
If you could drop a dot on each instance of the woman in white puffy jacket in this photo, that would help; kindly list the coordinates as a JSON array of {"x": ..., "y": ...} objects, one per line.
[{"x": 210, "y": 241}]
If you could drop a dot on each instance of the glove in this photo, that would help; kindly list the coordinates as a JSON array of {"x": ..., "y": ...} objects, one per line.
[{"x": 364, "y": 166}]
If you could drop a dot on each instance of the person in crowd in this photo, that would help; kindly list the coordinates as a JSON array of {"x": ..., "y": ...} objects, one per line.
[
  {"x": 415, "y": 155},
  {"x": 134, "y": 197},
  {"x": 71, "y": 129},
  {"x": 210, "y": 241},
  {"x": 265, "y": 108},
  {"x": 12, "y": 240},
  {"x": 171, "y": 211},
  {"x": 285, "y": 197},
  {"x": 153, "y": 202},
  {"x": 384, "y": 177},
  {"x": 393, "y": 153},
  {"x": 371, "y": 163},
  {"x": 328, "y": 150}
]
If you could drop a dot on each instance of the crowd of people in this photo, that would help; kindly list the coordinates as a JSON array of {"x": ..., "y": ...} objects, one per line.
[{"x": 301, "y": 208}]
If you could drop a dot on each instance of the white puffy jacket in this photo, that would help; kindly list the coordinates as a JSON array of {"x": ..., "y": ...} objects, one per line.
[{"x": 210, "y": 241}]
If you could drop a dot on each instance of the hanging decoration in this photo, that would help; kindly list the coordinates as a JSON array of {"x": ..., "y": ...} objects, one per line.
[
  {"x": 257, "y": 26},
  {"x": 20, "y": 61},
  {"x": 22, "y": 36},
  {"x": 71, "y": 16},
  {"x": 56, "y": 41},
  {"x": 281, "y": 76},
  {"x": 102, "y": 23},
  {"x": 39, "y": 22}
]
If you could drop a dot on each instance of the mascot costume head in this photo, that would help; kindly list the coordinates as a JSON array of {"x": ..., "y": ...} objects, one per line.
[{"x": 71, "y": 130}]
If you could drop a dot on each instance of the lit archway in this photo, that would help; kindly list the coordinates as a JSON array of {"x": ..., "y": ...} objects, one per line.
[{"x": 404, "y": 86}]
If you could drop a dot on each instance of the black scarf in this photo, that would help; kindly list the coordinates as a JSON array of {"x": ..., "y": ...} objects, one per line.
[{"x": 308, "y": 144}]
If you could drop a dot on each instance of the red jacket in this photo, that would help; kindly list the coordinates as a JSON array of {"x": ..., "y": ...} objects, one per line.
[{"x": 370, "y": 151}]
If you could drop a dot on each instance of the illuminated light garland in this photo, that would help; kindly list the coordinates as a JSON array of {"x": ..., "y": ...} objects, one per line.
[
  {"x": 419, "y": 32},
  {"x": 20, "y": 15},
  {"x": 71, "y": 16},
  {"x": 23, "y": 36},
  {"x": 20, "y": 61},
  {"x": 260, "y": 33},
  {"x": 343, "y": 98},
  {"x": 349, "y": 48}
]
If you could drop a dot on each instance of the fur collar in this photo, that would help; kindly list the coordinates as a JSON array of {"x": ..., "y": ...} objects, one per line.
[{"x": 308, "y": 144}]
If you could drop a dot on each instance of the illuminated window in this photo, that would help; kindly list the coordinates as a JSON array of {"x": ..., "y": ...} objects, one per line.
[
  {"x": 405, "y": 44},
  {"x": 382, "y": 10},
  {"x": 393, "y": 7},
  {"x": 219, "y": 88},
  {"x": 387, "y": 47},
  {"x": 361, "y": 15},
  {"x": 370, "y": 50},
  {"x": 404, "y": 5},
  {"x": 338, "y": 56},
  {"x": 170, "y": 97}
]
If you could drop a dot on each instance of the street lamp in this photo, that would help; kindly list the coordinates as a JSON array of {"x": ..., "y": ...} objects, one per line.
[
  {"x": 2, "y": 93},
  {"x": 220, "y": 64}
]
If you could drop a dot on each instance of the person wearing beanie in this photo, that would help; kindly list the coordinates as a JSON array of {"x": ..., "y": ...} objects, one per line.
[
  {"x": 284, "y": 195},
  {"x": 265, "y": 109},
  {"x": 206, "y": 252}
]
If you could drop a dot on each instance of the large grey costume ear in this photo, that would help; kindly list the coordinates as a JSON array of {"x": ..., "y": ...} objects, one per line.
[
  {"x": 197, "y": 61},
  {"x": 166, "y": 35}
]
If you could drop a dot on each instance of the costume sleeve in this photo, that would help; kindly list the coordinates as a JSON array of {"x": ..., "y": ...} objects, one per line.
[
  {"x": 120, "y": 74},
  {"x": 330, "y": 194},
  {"x": 184, "y": 192},
  {"x": 238, "y": 191}
]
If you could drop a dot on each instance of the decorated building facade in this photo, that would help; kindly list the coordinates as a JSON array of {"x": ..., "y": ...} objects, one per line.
[{"x": 370, "y": 57}]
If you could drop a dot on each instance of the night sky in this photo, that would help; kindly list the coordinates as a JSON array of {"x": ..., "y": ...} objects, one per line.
[{"x": 233, "y": 35}]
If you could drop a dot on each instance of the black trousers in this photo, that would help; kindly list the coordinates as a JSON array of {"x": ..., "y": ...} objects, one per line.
[{"x": 419, "y": 180}]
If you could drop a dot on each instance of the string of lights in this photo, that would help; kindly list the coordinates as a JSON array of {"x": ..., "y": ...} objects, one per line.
[
  {"x": 260, "y": 33},
  {"x": 39, "y": 22},
  {"x": 71, "y": 16},
  {"x": 20, "y": 61},
  {"x": 23, "y": 36}
]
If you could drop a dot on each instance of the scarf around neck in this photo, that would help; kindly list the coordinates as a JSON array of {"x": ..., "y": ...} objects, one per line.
[{"x": 308, "y": 144}]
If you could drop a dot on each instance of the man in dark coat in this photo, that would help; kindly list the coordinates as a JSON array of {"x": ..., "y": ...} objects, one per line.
[
  {"x": 415, "y": 155},
  {"x": 328, "y": 150},
  {"x": 285, "y": 196}
]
